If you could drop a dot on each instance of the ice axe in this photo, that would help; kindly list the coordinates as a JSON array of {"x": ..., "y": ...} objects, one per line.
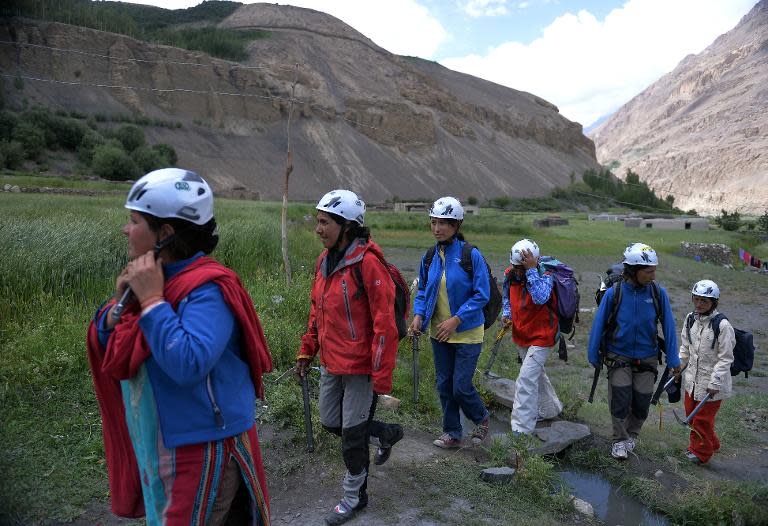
[
  {"x": 687, "y": 421},
  {"x": 415, "y": 352},
  {"x": 495, "y": 349},
  {"x": 307, "y": 413}
]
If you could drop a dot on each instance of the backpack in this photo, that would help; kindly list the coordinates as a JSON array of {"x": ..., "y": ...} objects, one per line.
[
  {"x": 566, "y": 291},
  {"x": 491, "y": 309},
  {"x": 612, "y": 275},
  {"x": 743, "y": 352},
  {"x": 402, "y": 304}
]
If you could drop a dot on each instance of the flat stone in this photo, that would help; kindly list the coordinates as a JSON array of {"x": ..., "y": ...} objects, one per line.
[
  {"x": 388, "y": 402},
  {"x": 658, "y": 474},
  {"x": 561, "y": 435},
  {"x": 503, "y": 390},
  {"x": 583, "y": 507},
  {"x": 498, "y": 475},
  {"x": 542, "y": 433}
]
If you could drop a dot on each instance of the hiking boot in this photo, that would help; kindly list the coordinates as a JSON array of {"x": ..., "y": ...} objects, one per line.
[
  {"x": 341, "y": 513},
  {"x": 446, "y": 441},
  {"x": 619, "y": 450},
  {"x": 480, "y": 433},
  {"x": 692, "y": 457},
  {"x": 363, "y": 502},
  {"x": 385, "y": 448},
  {"x": 629, "y": 444}
]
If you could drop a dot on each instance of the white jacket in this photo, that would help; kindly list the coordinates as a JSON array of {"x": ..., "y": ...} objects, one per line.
[{"x": 708, "y": 367}]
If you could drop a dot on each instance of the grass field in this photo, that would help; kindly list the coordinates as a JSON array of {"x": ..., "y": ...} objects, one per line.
[{"x": 60, "y": 258}]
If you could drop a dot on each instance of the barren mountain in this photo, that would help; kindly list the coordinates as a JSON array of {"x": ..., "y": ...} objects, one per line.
[
  {"x": 366, "y": 119},
  {"x": 700, "y": 132}
]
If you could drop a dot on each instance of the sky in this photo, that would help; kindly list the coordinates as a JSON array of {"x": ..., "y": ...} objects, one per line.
[{"x": 588, "y": 57}]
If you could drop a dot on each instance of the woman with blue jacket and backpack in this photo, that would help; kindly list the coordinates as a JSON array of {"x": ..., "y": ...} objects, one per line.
[
  {"x": 449, "y": 304},
  {"x": 626, "y": 329}
]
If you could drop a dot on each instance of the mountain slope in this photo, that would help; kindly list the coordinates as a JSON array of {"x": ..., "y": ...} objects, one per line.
[
  {"x": 700, "y": 132},
  {"x": 381, "y": 124}
]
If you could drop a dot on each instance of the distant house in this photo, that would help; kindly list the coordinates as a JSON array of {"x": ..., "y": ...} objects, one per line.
[
  {"x": 415, "y": 206},
  {"x": 550, "y": 221},
  {"x": 662, "y": 223},
  {"x": 607, "y": 217}
]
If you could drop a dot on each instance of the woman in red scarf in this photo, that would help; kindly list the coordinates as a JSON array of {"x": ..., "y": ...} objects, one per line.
[{"x": 177, "y": 372}]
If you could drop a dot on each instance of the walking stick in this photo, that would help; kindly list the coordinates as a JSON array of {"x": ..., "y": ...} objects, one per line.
[
  {"x": 495, "y": 350},
  {"x": 689, "y": 419},
  {"x": 307, "y": 413},
  {"x": 415, "y": 352}
]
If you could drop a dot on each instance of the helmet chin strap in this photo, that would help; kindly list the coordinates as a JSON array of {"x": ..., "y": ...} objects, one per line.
[{"x": 344, "y": 229}]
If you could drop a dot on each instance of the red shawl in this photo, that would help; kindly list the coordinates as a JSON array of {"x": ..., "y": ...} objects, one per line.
[{"x": 126, "y": 351}]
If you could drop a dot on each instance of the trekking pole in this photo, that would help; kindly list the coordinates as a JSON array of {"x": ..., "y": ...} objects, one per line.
[
  {"x": 495, "y": 350},
  {"x": 689, "y": 419},
  {"x": 127, "y": 296},
  {"x": 415, "y": 351},
  {"x": 595, "y": 379},
  {"x": 307, "y": 413}
]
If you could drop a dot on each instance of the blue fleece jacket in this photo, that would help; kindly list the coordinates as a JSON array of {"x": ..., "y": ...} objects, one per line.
[
  {"x": 635, "y": 334},
  {"x": 466, "y": 297},
  {"x": 194, "y": 367}
]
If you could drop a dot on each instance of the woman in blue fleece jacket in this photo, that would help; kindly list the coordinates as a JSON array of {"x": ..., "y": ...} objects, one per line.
[
  {"x": 449, "y": 303},
  {"x": 632, "y": 344}
]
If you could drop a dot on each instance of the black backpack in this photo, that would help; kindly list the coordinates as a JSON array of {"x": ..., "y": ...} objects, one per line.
[
  {"x": 613, "y": 275},
  {"x": 743, "y": 352},
  {"x": 402, "y": 295},
  {"x": 610, "y": 324},
  {"x": 491, "y": 309}
]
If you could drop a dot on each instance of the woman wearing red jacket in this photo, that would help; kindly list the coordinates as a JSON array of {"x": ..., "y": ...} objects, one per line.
[{"x": 353, "y": 329}]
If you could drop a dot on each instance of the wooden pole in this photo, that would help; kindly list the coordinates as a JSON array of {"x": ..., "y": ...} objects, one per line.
[{"x": 288, "y": 170}]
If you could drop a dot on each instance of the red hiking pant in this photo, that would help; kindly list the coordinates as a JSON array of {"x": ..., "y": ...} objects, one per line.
[{"x": 703, "y": 446}]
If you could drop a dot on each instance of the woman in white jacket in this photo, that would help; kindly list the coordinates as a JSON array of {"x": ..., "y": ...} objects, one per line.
[{"x": 709, "y": 362}]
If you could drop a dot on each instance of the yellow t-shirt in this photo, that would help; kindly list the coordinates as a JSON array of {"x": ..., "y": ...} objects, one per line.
[{"x": 443, "y": 312}]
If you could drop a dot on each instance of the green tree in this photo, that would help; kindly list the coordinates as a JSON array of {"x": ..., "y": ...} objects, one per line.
[
  {"x": 167, "y": 152},
  {"x": 90, "y": 141},
  {"x": 472, "y": 200},
  {"x": 131, "y": 136},
  {"x": 148, "y": 159},
  {"x": 12, "y": 154},
  {"x": 113, "y": 163},
  {"x": 31, "y": 138},
  {"x": 8, "y": 122},
  {"x": 730, "y": 222},
  {"x": 762, "y": 223}
]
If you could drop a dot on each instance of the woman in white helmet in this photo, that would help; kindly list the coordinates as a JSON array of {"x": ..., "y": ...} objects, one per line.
[
  {"x": 352, "y": 327},
  {"x": 706, "y": 347},
  {"x": 449, "y": 304},
  {"x": 624, "y": 336},
  {"x": 178, "y": 370},
  {"x": 528, "y": 295}
]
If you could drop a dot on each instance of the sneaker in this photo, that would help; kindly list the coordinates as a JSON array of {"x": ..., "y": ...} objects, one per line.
[
  {"x": 480, "y": 433},
  {"x": 629, "y": 444},
  {"x": 692, "y": 457},
  {"x": 619, "y": 450},
  {"x": 385, "y": 448},
  {"x": 446, "y": 441},
  {"x": 341, "y": 513}
]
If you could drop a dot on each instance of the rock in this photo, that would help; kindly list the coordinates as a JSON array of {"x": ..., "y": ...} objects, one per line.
[
  {"x": 388, "y": 402},
  {"x": 583, "y": 507},
  {"x": 542, "y": 433},
  {"x": 6, "y": 187},
  {"x": 561, "y": 435},
  {"x": 503, "y": 390},
  {"x": 658, "y": 474},
  {"x": 498, "y": 475},
  {"x": 15, "y": 189}
]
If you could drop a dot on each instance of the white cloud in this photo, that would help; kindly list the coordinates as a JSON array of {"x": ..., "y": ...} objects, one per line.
[
  {"x": 589, "y": 67},
  {"x": 478, "y": 8},
  {"x": 404, "y": 27}
]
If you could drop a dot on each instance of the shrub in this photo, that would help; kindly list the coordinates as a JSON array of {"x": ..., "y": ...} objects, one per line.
[
  {"x": 12, "y": 153},
  {"x": 8, "y": 122},
  {"x": 130, "y": 136},
  {"x": 31, "y": 138},
  {"x": 762, "y": 223},
  {"x": 730, "y": 222},
  {"x": 69, "y": 132},
  {"x": 472, "y": 200},
  {"x": 147, "y": 159},
  {"x": 90, "y": 141},
  {"x": 167, "y": 152},
  {"x": 113, "y": 163}
]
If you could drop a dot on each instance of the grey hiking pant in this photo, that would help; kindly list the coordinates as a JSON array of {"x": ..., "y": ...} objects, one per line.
[
  {"x": 630, "y": 388},
  {"x": 347, "y": 403}
]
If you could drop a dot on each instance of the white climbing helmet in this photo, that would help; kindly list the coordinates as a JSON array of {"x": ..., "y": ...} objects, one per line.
[
  {"x": 344, "y": 203},
  {"x": 640, "y": 254},
  {"x": 447, "y": 208},
  {"x": 516, "y": 254},
  {"x": 172, "y": 193},
  {"x": 706, "y": 288}
]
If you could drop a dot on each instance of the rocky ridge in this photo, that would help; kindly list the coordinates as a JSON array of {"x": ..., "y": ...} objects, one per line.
[
  {"x": 700, "y": 133},
  {"x": 379, "y": 123}
]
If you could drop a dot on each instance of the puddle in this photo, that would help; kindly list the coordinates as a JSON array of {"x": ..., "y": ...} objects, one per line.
[{"x": 611, "y": 505}]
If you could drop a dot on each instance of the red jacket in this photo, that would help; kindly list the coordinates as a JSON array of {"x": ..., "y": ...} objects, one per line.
[
  {"x": 354, "y": 330},
  {"x": 532, "y": 324}
]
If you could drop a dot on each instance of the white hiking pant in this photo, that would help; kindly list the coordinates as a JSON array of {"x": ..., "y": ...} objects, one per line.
[{"x": 535, "y": 398}]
